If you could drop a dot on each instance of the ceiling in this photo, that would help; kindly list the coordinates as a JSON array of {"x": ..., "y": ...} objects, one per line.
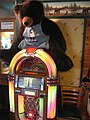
[
  {"x": 6, "y": 4},
  {"x": 6, "y": 7}
]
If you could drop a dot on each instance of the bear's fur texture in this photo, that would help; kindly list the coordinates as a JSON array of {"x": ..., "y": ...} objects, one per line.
[{"x": 56, "y": 42}]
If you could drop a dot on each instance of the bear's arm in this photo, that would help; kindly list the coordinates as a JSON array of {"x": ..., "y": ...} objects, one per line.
[{"x": 50, "y": 28}]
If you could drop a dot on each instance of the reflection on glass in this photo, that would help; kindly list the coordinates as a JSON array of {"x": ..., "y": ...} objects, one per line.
[{"x": 6, "y": 40}]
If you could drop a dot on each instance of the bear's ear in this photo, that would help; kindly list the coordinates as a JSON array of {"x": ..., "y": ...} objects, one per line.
[
  {"x": 17, "y": 8},
  {"x": 17, "y": 11}
]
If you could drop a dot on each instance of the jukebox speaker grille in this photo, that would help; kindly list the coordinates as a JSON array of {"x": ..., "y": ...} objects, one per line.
[{"x": 31, "y": 107}]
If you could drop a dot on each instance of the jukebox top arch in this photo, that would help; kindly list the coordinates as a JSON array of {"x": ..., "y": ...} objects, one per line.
[{"x": 37, "y": 59}]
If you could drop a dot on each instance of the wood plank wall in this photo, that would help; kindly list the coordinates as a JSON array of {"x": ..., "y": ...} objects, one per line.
[
  {"x": 86, "y": 67},
  {"x": 87, "y": 50}
]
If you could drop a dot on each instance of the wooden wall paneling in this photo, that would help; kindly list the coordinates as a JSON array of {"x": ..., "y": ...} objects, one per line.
[{"x": 87, "y": 50}]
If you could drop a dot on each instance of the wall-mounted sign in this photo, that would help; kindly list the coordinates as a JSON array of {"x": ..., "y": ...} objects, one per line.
[{"x": 7, "y": 25}]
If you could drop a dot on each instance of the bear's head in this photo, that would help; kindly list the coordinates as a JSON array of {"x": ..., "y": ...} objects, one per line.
[{"x": 29, "y": 13}]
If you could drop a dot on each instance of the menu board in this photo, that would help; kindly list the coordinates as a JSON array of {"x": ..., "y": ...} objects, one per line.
[{"x": 7, "y": 25}]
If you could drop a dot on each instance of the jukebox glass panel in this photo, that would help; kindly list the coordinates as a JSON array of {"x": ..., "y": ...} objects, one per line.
[{"x": 29, "y": 82}]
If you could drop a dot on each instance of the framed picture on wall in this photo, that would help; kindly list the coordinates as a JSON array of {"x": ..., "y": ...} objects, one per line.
[{"x": 70, "y": 8}]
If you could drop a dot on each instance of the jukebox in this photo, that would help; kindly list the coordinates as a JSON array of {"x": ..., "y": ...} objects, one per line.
[{"x": 33, "y": 85}]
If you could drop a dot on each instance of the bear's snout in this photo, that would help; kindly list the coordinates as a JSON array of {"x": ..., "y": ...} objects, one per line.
[{"x": 27, "y": 21}]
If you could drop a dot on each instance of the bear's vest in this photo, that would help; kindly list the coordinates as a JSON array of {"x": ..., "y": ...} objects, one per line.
[{"x": 34, "y": 37}]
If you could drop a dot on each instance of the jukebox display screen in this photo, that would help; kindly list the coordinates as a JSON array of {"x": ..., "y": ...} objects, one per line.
[{"x": 30, "y": 82}]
